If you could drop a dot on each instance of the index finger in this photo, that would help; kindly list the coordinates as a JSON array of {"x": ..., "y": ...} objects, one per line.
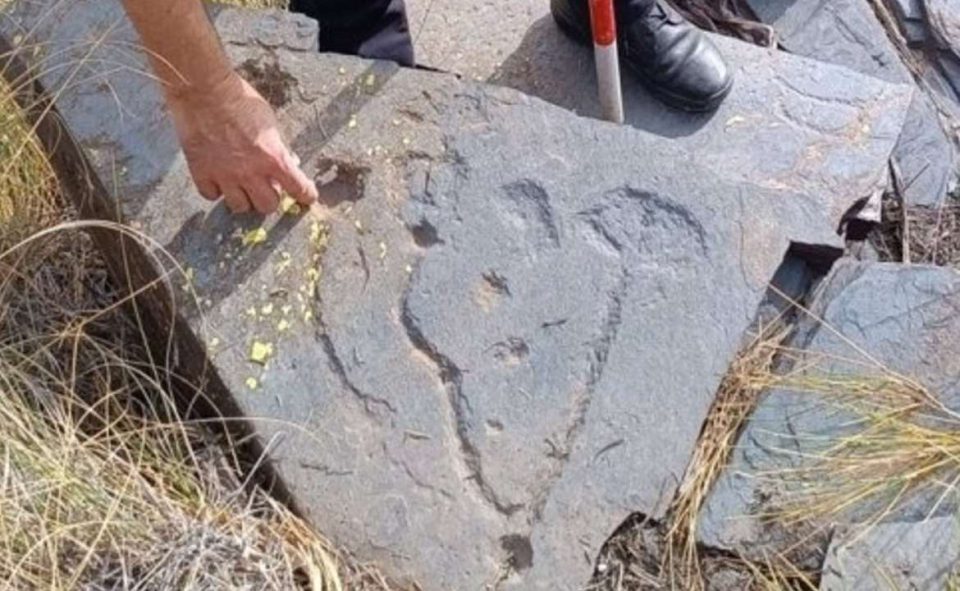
[{"x": 295, "y": 182}]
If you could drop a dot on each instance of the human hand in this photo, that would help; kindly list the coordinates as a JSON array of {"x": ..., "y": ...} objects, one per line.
[{"x": 233, "y": 147}]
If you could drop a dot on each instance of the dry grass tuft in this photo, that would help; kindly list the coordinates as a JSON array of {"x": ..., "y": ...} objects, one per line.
[
  {"x": 896, "y": 448},
  {"x": 648, "y": 556},
  {"x": 28, "y": 189},
  {"x": 27, "y": 185},
  {"x": 735, "y": 401},
  {"x": 103, "y": 484},
  {"x": 933, "y": 235},
  {"x": 919, "y": 234},
  {"x": 900, "y": 446}
]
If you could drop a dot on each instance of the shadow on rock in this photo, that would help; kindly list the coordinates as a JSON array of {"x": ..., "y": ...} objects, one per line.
[{"x": 550, "y": 66}]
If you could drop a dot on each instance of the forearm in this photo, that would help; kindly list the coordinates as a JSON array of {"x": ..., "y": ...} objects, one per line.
[{"x": 184, "y": 50}]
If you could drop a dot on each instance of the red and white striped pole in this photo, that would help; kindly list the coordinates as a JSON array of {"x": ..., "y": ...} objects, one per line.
[{"x": 604, "y": 26}]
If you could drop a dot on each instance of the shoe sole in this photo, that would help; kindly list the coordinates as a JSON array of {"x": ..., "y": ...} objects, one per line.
[{"x": 583, "y": 37}]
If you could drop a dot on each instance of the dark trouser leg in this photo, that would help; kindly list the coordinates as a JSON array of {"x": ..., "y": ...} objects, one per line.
[{"x": 374, "y": 29}]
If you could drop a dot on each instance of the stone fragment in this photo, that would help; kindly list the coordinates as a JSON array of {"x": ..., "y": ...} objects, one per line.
[
  {"x": 505, "y": 336},
  {"x": 915, "y": 32},
  {"x": 906, "y": 555},
  {"x": 909, "y": 14},
  {"x": 950, "y": 66},
  {"x": 875, "y": 316},
  {"x": 847, "y": 32},
  {"x": 923, "y": 157},
  {"x": 908, "y": 9}
]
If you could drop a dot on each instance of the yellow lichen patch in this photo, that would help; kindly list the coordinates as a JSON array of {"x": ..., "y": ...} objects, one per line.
[
  {"x": 252, "y": 383},
  {"x": 285, "y": 261},
  {"x": 267, "y": 309},
  {"x": 319, "y": 233},
  {"x": 188, "y": 277},
  {"x": 255, "y": 237},
  {"x": 261, "y": 352},
  {"x": 283, "y": 325},
  {"x": 289, "y": 206}
]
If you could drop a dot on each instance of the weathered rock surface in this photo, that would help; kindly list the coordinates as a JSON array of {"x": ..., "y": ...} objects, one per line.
[
  {"x": 950, "y": 66},
  {"x": 904, "y": 318},
  {"x": 471, "y": 37},
  {"x": 522, "y": 316},
  {"x": 773, "y": 130},
  {"x": 847, "y": 32},
  {"x": 904, "y": 555},
  {"x": 774, "y": 97},
  {"x": 943, "y": 17},
  {"x": 844, "y": 32}
]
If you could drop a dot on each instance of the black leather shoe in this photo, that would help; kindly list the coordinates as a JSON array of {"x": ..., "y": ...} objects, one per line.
[{"x": 674, "y": 60}]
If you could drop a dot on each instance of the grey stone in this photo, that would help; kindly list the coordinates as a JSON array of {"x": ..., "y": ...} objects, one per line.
[
  {"x": 728, "y": 579},
  {"x": 950, "y": 66},
  {"x": 943, "y": 19},
  {"x": 908, "y": 10},
  {"x": 846, "y": 32},
  {"x": 909, "y": 15},
  {"x": 915, "y": 32},
  {"x": 843, "y": 32},
  {"x": 903, "y": 555},
  {"x": 471, "y": 37},
  {"x": 924, "y": 158},
  {"x": 523, "y": 314},
  {"x": 875, "y": 315}
]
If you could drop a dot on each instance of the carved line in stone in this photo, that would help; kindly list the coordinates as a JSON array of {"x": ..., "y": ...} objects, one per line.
[
  {"x": 452, "y": 379},
  {"x": 599, "y": 353},
  {"x": 336, "y": 365}
]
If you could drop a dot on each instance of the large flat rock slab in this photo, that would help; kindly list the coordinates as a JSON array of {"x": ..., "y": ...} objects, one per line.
[
  {"x": 902, "y": 555},
  {"x": 774, "y": 126},
  {"x": 788, "y": 122},
  {"x": 848, "y": 33},
  {"x": 877, "y": 319},
  {"x": 504, "y": 338}
]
